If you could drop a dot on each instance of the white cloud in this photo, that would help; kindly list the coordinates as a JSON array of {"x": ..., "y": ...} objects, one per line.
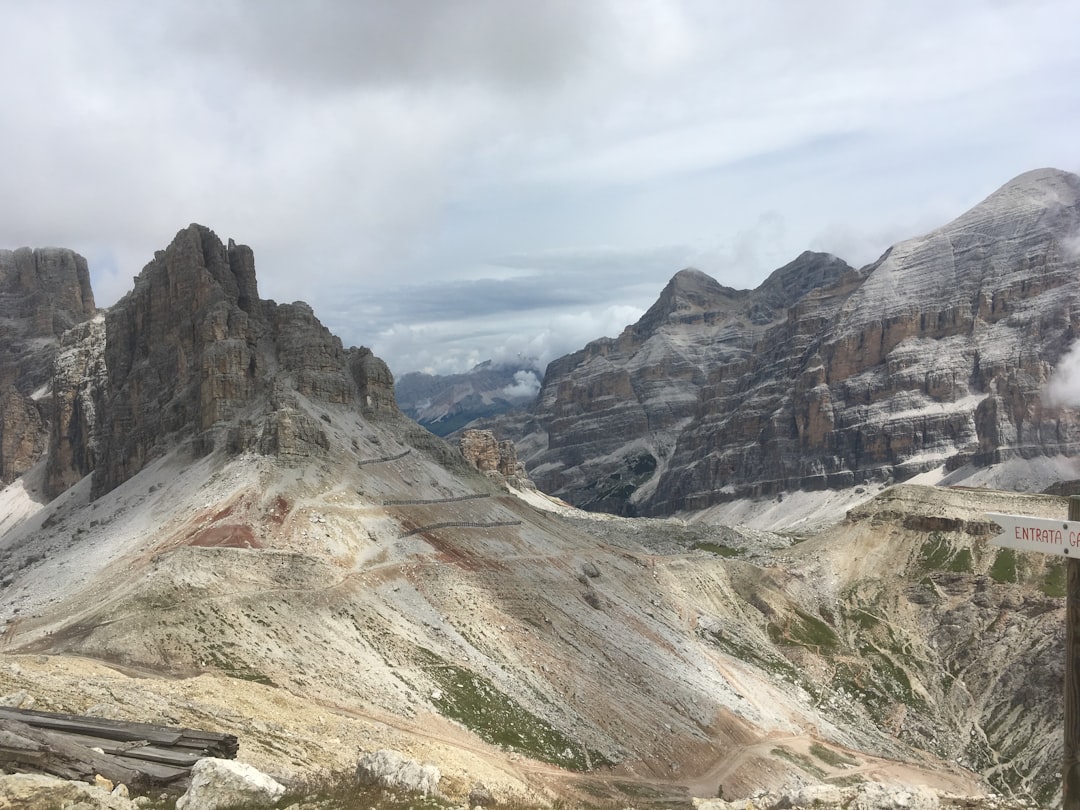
[
  {"x": 535, "y": 339},
  {"x": 526, "y": 385},
  {"x": 1064, "y": 386},
  {"x": 359, "y": 145}
]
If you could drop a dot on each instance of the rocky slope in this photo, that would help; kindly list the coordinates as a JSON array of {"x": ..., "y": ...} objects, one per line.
[
  {"x": 248, "y": 535},
  {"x": 934, "y": 356}
]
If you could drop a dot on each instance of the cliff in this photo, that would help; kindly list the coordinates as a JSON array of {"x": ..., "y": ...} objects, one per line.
[
  {"x": 826, "y": 376},
  {"x": 43, "y": 293}
]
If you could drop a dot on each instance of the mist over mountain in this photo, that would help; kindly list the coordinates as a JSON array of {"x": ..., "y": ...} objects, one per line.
[{"x": 445, "y": 403}]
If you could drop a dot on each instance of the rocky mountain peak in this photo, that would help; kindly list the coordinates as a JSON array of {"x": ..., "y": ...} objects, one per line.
[
  {"x": 190, "y": 356},
  {"x": 808, "y": 271},
  {"x": 935, "y": 356},
  {"x": 1045, "y": 185},
  {"x": 690, "y": 296},
  {"x": 192, "y": 352},
  {"x": 43, "y": 292},
  {"x": 47, "y": 288}
]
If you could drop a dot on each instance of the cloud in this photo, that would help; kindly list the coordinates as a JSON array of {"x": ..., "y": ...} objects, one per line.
[
  {"x": 1071, "y": 246},
  {"x": 1063, "y": 388},
  {"x": 474, "y": 170},
  {"x": 526, "y": 386},
  {"x": 534, "y": 339}
]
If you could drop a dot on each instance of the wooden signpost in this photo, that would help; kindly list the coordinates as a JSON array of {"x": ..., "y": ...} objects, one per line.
[{"x": 1060, "y": 537}]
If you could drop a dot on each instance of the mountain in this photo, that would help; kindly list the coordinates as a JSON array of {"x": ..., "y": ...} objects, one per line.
[
  {"x": 443, "y": 403},
  {"x": 232, "y": 526},
  {"x": 933, "y": 357},
  {"x": 43, "y": 293}
]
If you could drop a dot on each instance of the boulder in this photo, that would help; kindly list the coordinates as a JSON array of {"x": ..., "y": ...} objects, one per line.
[
  {"x": 31, "y": 791},
  {"x": 393, "y": 770},
  {"x": 220, "y": 783}
]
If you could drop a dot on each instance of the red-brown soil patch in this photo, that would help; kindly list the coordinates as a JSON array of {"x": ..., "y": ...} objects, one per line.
[
  {"x": 278, "y": 510},
  {"x": 228, "y": 535}
]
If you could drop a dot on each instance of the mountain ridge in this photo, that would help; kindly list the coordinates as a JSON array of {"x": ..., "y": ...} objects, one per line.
[
  {"x": 933, "y": 356},
  {"x": 263, "y": 541}
]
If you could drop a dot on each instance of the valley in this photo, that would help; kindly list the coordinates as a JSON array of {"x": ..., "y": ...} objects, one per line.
[{"x": 214, "y": 514}]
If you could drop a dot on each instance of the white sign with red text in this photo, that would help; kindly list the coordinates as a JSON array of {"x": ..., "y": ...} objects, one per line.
[{"x": 1037, "y": 534}]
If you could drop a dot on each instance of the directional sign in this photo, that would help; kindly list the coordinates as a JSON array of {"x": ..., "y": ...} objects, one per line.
[{"x": 1037, "y": 534}]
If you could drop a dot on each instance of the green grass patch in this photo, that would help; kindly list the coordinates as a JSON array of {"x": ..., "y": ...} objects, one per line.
[
  {"x": 220, "y": 660},
  {"x": 864, "y": 619},
  {"x": 1004, "y": 567},
  {"x": 799, "y": 761},
  {"x": 1053, "y": 583},
  {"x": 848, "y": 780},
  {"x": 777, "y": 665},
  {"x": 476, "y": 703},
  {"x": 831, "y": 757},
  {"x": 937, "y": 554},
  {"x": 804, "y": 630}
]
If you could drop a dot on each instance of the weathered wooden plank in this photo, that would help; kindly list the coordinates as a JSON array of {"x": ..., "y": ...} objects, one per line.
[
  {"x": 160, "y": 773},
  {"x": 184, "y": 757},
  {"x": 76, "y": 747},
  {"x": 212, "y": 743},
  {"x": 99, "y": 727},
  {"x": 54, "y": 754}
]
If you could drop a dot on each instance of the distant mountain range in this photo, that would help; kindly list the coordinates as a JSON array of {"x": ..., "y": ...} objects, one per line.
[{"x": 445, "y": 403}]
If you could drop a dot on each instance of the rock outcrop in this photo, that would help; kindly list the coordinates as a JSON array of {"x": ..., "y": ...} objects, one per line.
[
  {"x": 193, "y": 352},
  {"x": 489, "y": 455},
  {"x": 396, "y": 771},
  {"x": 224, "y": 783},
  {"x": 825, "y": 376},
  {"x": 78, "y": 385},
  {"x": 43, "y": 293},
  {"x": 29, "y": 791}
]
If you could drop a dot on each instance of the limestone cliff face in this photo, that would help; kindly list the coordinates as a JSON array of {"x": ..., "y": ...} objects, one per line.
[
  {"x": 612, "y": 414},
  {"x": 192, "y": 351},
  {"x": 825, "y": 376},
  {"x": 42, "y": 293},
  {"x": 78, "y": 386},
  {"x": 191, "y": 354}
]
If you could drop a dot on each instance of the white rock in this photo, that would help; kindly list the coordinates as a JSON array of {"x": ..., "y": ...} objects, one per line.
[
  {"x": 224, "y": 783},
  {"x": 31, "y": 791},
  {"x": 391, "y": 769},
  {"x": 875, "y": 796}
]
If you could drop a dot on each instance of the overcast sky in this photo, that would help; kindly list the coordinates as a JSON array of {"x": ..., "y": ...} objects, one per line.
[{"x": 448, "y": 181}]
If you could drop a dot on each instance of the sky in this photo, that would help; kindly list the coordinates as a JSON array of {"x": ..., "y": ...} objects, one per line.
[{"x": 452, "y": 181}]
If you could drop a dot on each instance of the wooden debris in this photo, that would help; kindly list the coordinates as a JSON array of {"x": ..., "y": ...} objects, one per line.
[{"x": 70, "y": 746}]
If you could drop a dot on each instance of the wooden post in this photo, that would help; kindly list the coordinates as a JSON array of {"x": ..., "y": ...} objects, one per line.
[{"x": 1070, "y": 772}]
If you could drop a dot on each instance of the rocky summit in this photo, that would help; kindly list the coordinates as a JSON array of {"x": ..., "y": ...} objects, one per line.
[
  {"x": 936, "y": 356},
  {"x": 225, "y": 523}
]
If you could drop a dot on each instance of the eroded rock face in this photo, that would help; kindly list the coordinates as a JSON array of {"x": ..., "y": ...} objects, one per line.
[
  {"x": 79, "y": 380},
  {"x": 825, "y": 376},
  {"x": 494, "y": 458},
  {"x": 30, "y": 791},
  {"x": 193, "y": 348},
  {"x": 43, "y": 293}
]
